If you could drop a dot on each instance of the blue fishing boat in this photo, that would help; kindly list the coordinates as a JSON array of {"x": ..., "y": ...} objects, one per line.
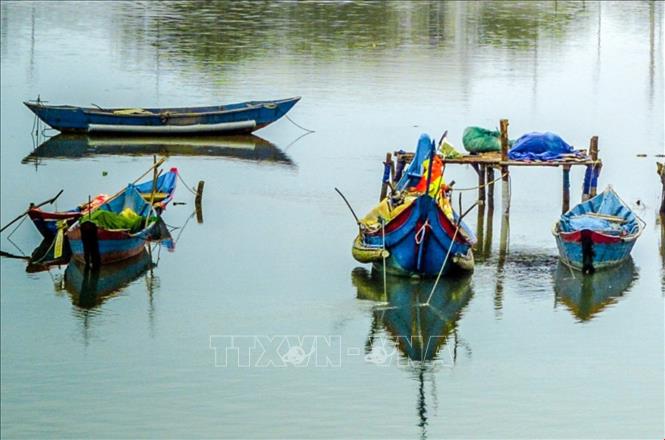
[
  {"x": 243, "y": 117},
  {"x": 415, "y": 232},
  {"x": 49, "y": 222},
  {"x": 115, "y": 231},
  {"x": 598, "y": 233}
]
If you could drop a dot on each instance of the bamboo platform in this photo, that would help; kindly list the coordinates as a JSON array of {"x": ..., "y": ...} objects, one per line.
[{"x": 485, "y": 165}]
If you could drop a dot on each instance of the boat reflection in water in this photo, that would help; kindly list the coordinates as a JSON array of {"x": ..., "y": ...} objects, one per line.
[
  {"x": 89, "y": 288},
  {"x": 418, "y": 331},
  {"x": 588, "y": 295},
  {"x": 76, "y": 146}
]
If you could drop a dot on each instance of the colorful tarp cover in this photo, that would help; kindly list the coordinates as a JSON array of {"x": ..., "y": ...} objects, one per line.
[
  {"x": 604, "y": 213},
  {"x": 541, "y": 146},
  {"x": 413, "y": 173}
]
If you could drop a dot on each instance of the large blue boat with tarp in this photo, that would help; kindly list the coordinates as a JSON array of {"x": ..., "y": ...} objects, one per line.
[{"x": 414, "y": 231}]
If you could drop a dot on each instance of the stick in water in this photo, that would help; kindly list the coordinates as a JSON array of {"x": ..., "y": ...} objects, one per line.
[{"x": 348, "y": 204}]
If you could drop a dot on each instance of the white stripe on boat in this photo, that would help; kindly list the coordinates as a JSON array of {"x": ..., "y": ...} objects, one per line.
[{"x": 194, "y": 128}]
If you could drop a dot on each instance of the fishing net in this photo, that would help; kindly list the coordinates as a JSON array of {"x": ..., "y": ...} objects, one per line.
[
  {"x": 127, "y": 219},
  {"x": 481, "y": 140}
]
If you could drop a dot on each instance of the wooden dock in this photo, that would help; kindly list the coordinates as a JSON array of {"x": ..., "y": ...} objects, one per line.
[{"x": 486, "y": 164}]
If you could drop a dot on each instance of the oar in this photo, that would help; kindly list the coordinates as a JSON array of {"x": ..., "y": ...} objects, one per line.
[
  {"x": 17, "y": 257},
  {"x": 115, "y": 196},
  {"x": 32, "y": 206}
]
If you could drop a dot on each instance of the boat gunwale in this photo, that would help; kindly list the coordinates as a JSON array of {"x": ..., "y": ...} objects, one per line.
[{"x": 176, "y": 112}]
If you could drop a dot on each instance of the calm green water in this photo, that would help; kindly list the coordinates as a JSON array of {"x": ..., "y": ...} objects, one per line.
[{"x": 521, "y": 349}]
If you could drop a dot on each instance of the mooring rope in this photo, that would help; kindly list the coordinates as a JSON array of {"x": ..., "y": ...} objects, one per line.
[
  {"x": 298, "y": 125},
  {"x": 445, "y": 260},
  {"x": 483, "y": 185},
  {"x": 383, "y": 256},
  {"x": 190, "y": 189}
]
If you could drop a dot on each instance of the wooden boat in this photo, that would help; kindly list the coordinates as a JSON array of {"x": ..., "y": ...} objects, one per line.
[
  {"x": 242, "y": 147},
  {"x": 416, "y": 232},
  {"x": 587, "y": 296},
  {"x": 48, "y": 222},
  {"x": 115, "y": 231},
  {"x": 598, "y": 233},
  {"x": 244, "y": 117}
]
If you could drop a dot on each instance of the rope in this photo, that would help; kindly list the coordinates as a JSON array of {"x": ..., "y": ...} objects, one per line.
[
  {"x": 298, "y": 125},
  {"x": 186, "y": 184},
  {"x": 17, "y": 226},
  {"x": 483, "y": 185},
  {"x": 383, "y": 255},
  {"x": 420, "y": 234},
  {"x": 445, "y": 260}
]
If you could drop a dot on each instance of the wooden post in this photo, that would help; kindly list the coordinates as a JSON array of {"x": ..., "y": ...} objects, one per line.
[
  {"x": 198, "y": 200},
  {"x": 593, "y": 152},
  {"x": 661, "y": 172},
  {"x": 385, "y": 181},
  {"x": 480, "y": 226},
  {"x": 490, "y": 188},
  {"x": 503, "y": 124},
  {"x": 565, "y": 205}
]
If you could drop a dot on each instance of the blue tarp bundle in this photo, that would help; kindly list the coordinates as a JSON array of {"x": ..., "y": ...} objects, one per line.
[{"x": 540, "y": 146}]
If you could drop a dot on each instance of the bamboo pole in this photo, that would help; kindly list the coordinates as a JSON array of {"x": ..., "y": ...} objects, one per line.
[
  {"x": 490, "y": 188},
  {"x": 505, "y": 187},
  {"x": 593, "y": 152},
  {"x": 480, "y": 226},
  {"x": 565, "y": 205},
  {"x": 385, "y": 181},
  {"x": 660, "y": 167}
]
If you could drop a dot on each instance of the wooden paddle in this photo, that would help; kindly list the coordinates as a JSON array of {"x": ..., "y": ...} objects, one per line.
[{"x": 32, "y": 206}]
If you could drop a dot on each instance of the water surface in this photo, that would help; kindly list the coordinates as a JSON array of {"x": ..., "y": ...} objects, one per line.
[{"x": 520, "y": 352}]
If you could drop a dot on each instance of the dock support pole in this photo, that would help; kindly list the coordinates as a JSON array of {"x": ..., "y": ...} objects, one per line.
[
  {"x": 505, "y": 187},
  {"x": 565, "y": 204},
  {"x": 593, "y": 152},
  {"x": 589, "y": 187},
  {"x": 490, "y": 188},
  {"x": 480, "y": 224},
  {"x": 661, "y": 173},
  {"x": 385, "y": 181}
]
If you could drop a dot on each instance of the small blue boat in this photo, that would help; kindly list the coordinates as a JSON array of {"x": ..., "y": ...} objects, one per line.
[
  {"x": 598, "y": 233},
  {"x": 244, "y": 117},
  {"x": 47, "y": 222},
  {"x": 416, "y": 232},
  {"x": 115, "y": 231}
]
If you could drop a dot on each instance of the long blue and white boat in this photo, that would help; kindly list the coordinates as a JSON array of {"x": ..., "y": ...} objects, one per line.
[{"x": 243, "y": 117}]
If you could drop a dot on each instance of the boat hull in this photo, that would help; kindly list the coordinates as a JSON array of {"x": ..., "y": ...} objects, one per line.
[
  {"x": 419, "y": 242},
  {"x": 112, "y": 246},
  {"x": 605, "y": 252},
  {"x": 243, "y": 117},
  {"x": 47, "y": 222}
]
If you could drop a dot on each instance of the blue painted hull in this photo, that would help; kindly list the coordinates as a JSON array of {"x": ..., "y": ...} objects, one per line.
[
  {"x": 242, "y": 117},
  {"x": 605, "y": 255},
  {"x": 418, "y": 250},
  {"x": 598, "y": 233}
]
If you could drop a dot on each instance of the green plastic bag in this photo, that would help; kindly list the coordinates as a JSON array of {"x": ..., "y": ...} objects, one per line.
[{"x": 481, "y": 140}]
